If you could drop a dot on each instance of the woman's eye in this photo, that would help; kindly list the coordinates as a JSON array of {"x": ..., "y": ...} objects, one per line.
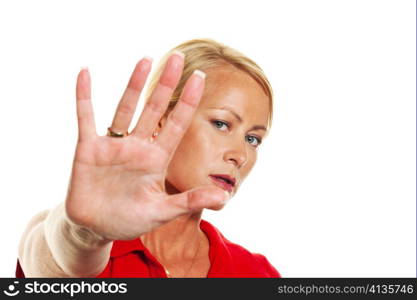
[
  {"x": 253, "y": 140},
  {"x": 220, "y": 124}
]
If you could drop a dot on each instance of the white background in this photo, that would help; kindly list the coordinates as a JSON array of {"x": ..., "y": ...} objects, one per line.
[{"x": 333, "y": 192}]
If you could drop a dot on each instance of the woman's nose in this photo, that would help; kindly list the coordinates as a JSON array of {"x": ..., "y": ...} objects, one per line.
[{"x": 237, "y": 155}]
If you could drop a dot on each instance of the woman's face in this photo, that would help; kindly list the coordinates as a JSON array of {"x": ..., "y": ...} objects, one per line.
[{"x": 224, "y": 134}]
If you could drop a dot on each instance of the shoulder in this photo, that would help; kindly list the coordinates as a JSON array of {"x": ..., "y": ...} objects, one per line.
[
  {"x": 252, "y": 261},
  {"x": 243, "y": 260}
]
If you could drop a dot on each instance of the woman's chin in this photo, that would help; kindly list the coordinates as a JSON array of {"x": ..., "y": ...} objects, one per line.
[{"x": 221, "y": 205}]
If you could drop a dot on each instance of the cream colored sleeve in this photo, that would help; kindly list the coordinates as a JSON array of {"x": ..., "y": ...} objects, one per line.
[{"x": 53, "y": 246}]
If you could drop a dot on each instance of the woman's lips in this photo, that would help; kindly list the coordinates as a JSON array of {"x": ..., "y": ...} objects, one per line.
[{"x": 222, "y": 184}]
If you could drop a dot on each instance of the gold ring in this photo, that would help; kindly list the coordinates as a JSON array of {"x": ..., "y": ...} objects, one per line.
[{"x": 116, "y": 134}]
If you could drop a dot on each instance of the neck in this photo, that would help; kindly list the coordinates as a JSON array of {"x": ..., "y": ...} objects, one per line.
[{"x": 177, "y": 238}]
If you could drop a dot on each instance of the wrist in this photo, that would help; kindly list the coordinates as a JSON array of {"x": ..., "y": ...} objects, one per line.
[{"x": 82, "y": 236}]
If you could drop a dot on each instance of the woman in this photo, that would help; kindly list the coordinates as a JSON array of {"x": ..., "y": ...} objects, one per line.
[{"x": 135, "y": 200}]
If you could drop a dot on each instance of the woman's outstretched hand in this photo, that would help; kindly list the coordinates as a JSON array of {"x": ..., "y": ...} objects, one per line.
[{"x": 117, "y": 185}]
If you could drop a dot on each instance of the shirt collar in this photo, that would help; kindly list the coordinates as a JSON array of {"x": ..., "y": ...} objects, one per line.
[
  {"x": 121, "y": 248},
  {"x": 216, "y": 240}
]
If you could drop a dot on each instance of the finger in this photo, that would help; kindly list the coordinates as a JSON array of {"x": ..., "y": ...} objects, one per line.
[
  {"x": 157, "y": 104},
  {"x": 85, "y": 114},
  {"x": 197, "y": 199},
  {"x": 179, "y": 119},
  {"x": 127, "y": 105}
]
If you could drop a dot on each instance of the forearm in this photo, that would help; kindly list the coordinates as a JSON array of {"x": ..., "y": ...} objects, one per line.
[{"x": 56, "y": 247}]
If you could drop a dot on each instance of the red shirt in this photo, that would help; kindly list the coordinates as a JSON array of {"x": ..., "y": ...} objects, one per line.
[{"x": 130, "y": 259}]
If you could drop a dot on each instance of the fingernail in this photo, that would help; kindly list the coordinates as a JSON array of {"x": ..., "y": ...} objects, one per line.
[
  {"x": 84, "y": 73},
  {"x": 200, "y": 73},
  {"x": 177, "y": 52},
  {"x": 148, "y": 58}
]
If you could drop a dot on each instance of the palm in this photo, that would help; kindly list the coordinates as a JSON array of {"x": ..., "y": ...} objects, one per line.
[{"x": 117, "y": 186}]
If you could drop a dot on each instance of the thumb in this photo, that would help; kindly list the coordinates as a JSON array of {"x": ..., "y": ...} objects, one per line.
[{"x": 202, "y": 197}]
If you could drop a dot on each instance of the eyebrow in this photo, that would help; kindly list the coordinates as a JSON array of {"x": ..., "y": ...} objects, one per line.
[{"x": 255, "y": 127}]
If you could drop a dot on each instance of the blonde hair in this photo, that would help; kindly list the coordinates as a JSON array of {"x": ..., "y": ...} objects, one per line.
[{"x": 203, "y": 54}]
